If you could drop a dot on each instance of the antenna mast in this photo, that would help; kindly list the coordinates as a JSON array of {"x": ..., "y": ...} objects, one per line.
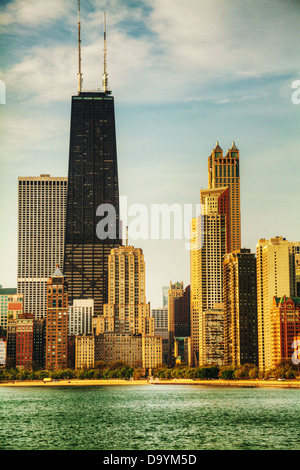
[
  {"x": 104, "y": 75},
  {"x": 79, "y": 52}
]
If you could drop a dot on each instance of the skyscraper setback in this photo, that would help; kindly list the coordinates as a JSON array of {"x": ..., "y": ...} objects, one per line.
[{"x": 92, "y": 182}]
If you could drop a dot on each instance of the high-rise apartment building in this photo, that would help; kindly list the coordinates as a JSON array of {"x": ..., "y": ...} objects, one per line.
[
  {"x": 57, "y": 321},
  {"x": 41, "y": 229},
  {"x": 92, "y": 221},
  {"x": 240, "y": 308},
  {"x": 222, "y": 172},
  {"x": 276, "y": 276},
  {"x": 210, "y": 235}
]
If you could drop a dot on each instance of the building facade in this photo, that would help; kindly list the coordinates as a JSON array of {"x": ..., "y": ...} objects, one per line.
[
  {"x": 57, "y": 321},
  {"x": 224, "y": 172},
  {"x": 276, "y": 276},
  {"x": 80, "y": 316},
  {"x": 127, "y": 310},
  {"x": 92, "y": 189},
  {"x": 240, "y": 308},
  {"x": 26, "y": 341},
  {"x": 5, "y": 293},
  {"x": 212, "y": 334},
  {"x": 41, "y": 230},
  {"x": 285, "y": 328}
]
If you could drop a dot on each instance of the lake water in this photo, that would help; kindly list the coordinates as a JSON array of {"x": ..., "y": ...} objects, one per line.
[{"x": 150, "y": 417}]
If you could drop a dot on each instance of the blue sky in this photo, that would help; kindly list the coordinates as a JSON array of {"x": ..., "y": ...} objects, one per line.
[{"x": 184, "y": 74}]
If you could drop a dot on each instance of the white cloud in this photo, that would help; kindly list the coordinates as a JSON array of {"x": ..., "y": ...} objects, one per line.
[{"x": 33, "y": 12}]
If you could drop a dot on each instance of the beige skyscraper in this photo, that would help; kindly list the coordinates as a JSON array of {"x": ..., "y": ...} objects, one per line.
[
  {"x": 276, "y": 276},
  {"x": 126, "y": 316},
  {"x": 222, "y": 172},
  {"x": 41, "y": 229},
  {"x": 126, "y": 310},
  {"x": 209, "y": 244}
]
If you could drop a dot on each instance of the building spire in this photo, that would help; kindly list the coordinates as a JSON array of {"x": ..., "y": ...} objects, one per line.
[
  {"x": 105, "y": 75},
  {"x": 79, "y": 52}
]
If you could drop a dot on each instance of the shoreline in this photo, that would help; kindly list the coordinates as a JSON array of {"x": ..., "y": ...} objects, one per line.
[{"x": 214, "y": 383}]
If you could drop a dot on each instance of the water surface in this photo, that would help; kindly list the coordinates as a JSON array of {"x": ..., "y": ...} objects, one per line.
[{"x": 150, "y": 417}]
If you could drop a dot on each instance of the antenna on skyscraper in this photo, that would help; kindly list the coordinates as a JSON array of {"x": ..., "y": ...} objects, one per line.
[
  {"x": 105, "y": 75},
  {"x": 79, "y": 52}
]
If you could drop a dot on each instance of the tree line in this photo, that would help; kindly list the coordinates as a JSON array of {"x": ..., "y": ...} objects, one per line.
[{"x": 121, "y": 370}]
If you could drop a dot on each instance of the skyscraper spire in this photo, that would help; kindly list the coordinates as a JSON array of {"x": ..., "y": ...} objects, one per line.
[
  {"x": 79, "y": 52},
  {"x": 105, "y": 75}
]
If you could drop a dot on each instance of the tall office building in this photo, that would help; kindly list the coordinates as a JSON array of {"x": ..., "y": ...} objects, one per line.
[
  {"x": 57, "y": 321},
  {"x": 222, "y": 172},
  {"x": 92, "y": 191},
  {"x": 276, "y": 276},
  {"x": 41, "y": 231},
  {"x": 240, "y": 308},
  {"x": 209, "y": 243}
]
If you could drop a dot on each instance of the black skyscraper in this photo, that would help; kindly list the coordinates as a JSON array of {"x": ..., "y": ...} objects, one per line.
[{"x": 92, "y": 181}]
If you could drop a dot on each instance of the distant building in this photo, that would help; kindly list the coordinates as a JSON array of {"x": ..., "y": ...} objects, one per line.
[
  {"x": 57, "y": 321},
  {"x": 209, "y": 243},
  {"x": 182, "y": 324},
  {"x": 212, "y": 327},
  {"x": 26, "y": 341},
  {"x": 285, "y": 328},
  {"x": 160, "y": 316},
  {"x": 165, "y": 292},
  {"x": 80, "y": 316},
  {"x": 152, "y": 352},
  {"x": 222, "y": 172},
  {"x": 121, "y": 347},
  {"x": 126, "y": 310},
  {"x": 41, "y": 232},
  {"x": 3, "y": 349},
  {"x": 87, "y": 351},
  {"x": 4, "y": 295},
  {"x": 240, "y": 308},
  {"x": 276, "y": 276},
  {"x": 15, "y": 305}
]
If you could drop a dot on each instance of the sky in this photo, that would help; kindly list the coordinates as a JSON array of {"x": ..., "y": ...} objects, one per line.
[{"x": 184, "y": 74}]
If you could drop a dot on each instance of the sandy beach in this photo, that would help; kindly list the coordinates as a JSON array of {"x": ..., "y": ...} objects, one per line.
[{"x": 214, "y": 383}]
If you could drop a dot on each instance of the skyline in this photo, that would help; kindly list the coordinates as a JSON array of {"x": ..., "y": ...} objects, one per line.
[{"x": 179, "y": 87}]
